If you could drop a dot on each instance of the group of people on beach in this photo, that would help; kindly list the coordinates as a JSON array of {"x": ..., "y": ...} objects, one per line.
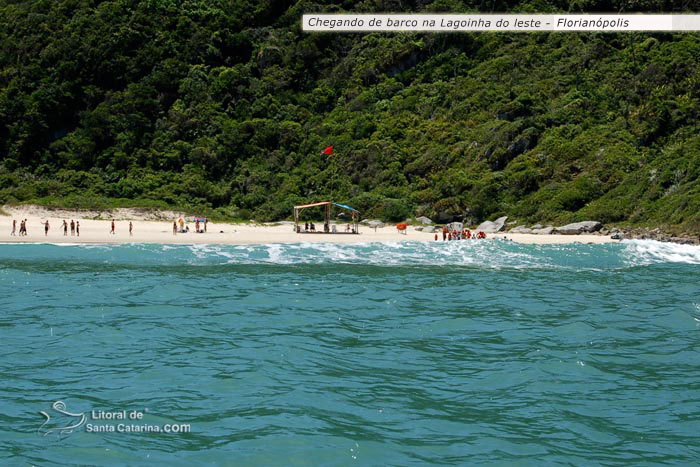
[
  {"x": 22, "y": 228},
  {"x": 200, "y": 226},
  {"x": 113, "y": 230},
  {"x": 464, "y": 234},
  {"x": 327, "y": 228},
  {"x": 74, "y": 228}
]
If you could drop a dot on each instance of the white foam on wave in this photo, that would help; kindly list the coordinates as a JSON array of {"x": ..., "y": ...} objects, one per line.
[
  {"x": 483, "y": 254},
  {"x": 643, "y": 252},
  {"x": 203, "y": 251},
  {"x": 465, "y": 253},
  {"x": 87, "y": 246},
  {"x": 62, "y": 244},
  {"x": 274, "y": 252},
  {"x": 299, "y": 253},
  {"x": 480, "y": 254}
]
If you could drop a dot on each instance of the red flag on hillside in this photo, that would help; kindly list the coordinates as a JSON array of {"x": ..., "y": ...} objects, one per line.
[{"x": 328, "y": 151}]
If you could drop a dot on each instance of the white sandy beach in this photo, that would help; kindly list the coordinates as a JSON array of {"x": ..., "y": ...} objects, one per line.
[{"x": 95, "y": 228}]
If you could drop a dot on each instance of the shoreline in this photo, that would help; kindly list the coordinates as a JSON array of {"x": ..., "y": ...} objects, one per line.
[
  {"x": 329, "y": 239},
  {"x": 149, "y": 232},
  {"x": 153, "y": 228},
  {"x": 239, "y": 242}
]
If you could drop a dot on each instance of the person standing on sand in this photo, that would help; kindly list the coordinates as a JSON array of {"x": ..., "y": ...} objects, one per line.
[
  {"x": 25, "y": 227},
  {"x": 131, "y": 229},
  {"x": 174, "y": 227},
  {"x": 65, "y": 228},
  {"x": 72, "y": 227},
  {"x": 444, "y": 233},
  {"x": 14, "y": 226},
  {"x": 77, "y": 228},
  {"x": 112, "y": 231},
  {"x": 196, "y": 225},
  {"x": 206, "y": 221},
  {"x": 46, "y": 227}
]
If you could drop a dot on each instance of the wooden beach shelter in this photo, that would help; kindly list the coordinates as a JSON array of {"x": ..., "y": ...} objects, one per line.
[{"x": 327, "y": 209}]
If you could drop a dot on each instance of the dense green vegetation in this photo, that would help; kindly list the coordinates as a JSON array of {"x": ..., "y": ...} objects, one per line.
[{"x": 224, "y": 106}]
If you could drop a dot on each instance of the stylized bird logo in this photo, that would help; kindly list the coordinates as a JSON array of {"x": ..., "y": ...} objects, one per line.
[{"x": 60, "y": 406}]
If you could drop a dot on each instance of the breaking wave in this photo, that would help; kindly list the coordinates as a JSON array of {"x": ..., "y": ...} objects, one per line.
[
  {"x": 496, "y": 254},
  {"x": 642, "y": 252}
]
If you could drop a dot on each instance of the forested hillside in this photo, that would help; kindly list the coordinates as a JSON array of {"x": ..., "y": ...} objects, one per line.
[{"x": 224, "y": 107}]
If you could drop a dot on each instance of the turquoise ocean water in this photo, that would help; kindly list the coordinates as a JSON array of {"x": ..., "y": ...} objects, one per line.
[{"x": 400, "y": 354}]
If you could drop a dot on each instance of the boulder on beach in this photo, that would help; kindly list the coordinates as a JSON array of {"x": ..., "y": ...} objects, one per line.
[
  {"x": 684, "y": 240},
  {"x": 418, "y": 229},
  {"x": 273, "y": 224},
  {"x": 521, "y": 229},
  {"x": 543, "y": 231},
  {"x": 537, "y": 226},
  {"x": 371, "y": 221},
  {"x": 492, "y": 227},
  {"x": 428, "y": 229},
  {"x": 579, "y": 227},
  {"x": 424, "y": 220}
]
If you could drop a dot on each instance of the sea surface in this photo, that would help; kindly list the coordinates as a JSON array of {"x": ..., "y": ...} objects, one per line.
[{"x": 451, "y": 353}]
